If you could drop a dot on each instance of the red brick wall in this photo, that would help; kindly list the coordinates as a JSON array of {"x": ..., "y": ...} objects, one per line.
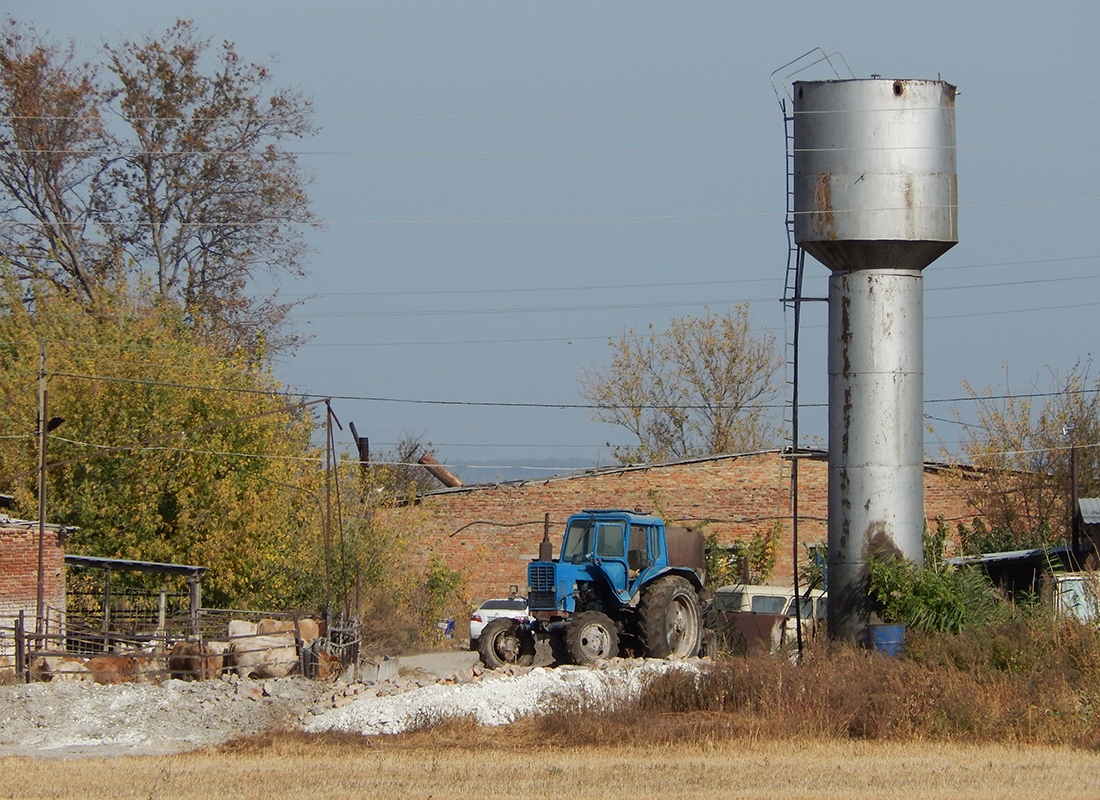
[
  {"x": 19, "y": 573},
  {"x": 491, "y": 532}
]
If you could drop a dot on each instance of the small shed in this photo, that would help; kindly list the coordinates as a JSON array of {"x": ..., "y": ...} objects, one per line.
[
  {"x": 107, "y": 612},
  {"x": 1017, "y": 571},
  {"x": 1086, "y": 526}
]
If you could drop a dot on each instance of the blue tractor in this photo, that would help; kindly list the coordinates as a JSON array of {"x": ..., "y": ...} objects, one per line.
[{"x": 623, "y": 582}]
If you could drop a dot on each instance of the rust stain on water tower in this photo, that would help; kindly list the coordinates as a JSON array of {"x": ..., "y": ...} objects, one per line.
[{"x": 824, "y": 220}]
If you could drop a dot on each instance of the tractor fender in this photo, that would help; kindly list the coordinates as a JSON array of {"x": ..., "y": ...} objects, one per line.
[{"x": 689, "y": 574}]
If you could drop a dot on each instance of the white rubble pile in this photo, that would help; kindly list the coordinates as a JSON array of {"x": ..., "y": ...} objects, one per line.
[
  {"x": 68, "y": 719},
  {"x": 496, "y": 701}
]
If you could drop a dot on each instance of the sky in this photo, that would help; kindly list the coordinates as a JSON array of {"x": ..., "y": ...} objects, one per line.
[{"x": 506, "y": 186}]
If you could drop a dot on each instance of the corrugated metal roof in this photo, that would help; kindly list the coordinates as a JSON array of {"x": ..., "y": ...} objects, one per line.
[
  {"x": 814, "y": 453},
  {"x": 1090, "y": 510},
  {"x": 1049, "y": 555},
  {"x": 27, "y": 524},
  {"x": 124, "y": 564},
  {"x": 987, "y": 558}
]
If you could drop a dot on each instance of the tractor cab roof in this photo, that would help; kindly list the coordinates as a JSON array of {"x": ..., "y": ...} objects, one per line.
[{"x": 635, "y": 517}]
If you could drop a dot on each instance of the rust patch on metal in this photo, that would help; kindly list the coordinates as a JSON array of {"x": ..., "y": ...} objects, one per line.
[
  {"x": 879, "y": 542},
  {"x": 824, "y": 221},
  {"x": 846, "y": 330},
  {"x": 910, "y": 209}
]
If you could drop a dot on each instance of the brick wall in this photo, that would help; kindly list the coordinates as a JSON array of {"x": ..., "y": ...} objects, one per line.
[
  {"x": 19, "y": 573},
  {"x": 491, "y": 532}
]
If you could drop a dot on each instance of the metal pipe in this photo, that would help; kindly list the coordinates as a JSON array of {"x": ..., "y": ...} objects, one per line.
[
  {"x": 440, "y": 472},
  {"x": 40, "y": 602}
]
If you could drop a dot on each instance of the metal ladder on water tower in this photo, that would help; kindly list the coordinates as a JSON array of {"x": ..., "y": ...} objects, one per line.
[{"x": 792, "y": 290}]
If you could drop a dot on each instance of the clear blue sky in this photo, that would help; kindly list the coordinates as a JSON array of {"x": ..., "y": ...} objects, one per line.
[{"x": 506, "y": 185}]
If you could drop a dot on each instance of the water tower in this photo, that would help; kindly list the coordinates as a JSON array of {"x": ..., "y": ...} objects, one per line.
[{"x": 875, "y": 201}]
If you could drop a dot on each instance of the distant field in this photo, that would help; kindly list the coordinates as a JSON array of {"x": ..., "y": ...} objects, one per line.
[{"x": 418, "y": 767}]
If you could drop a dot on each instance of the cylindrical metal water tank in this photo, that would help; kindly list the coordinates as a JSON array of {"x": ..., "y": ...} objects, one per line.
[
  {"x": 875, "y": 179},
  {"x": 876, "y": 198}
]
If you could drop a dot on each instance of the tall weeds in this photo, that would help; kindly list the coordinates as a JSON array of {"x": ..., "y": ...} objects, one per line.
[{"x": 1027, "y": 682}]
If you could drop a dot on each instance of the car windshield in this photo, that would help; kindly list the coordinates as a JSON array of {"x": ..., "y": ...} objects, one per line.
[
  {"x": 504, "y": 605},
  {"x": 769, "y": 604},
  {"x": 805, "y": 608},
  {"x": 727, "y": 601}
]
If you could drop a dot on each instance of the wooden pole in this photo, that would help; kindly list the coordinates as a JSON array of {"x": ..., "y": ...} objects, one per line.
[
  {"x": 40, "y": 608},
  {"x": 328, "y": 515}
]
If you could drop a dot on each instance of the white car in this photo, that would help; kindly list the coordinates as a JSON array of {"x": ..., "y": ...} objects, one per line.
[{"x": 510, "y": 607}]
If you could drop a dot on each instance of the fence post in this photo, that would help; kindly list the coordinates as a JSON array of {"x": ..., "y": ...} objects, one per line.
[
  {"x": 196, "y": 602},
  {"x": 161, "y": 635},
  {"x": 20, "y": 649}
]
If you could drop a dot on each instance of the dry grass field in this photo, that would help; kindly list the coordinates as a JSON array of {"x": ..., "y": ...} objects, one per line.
[
  {"x": 432, "y": 766},
  {"x": 1012, "y": 711}
]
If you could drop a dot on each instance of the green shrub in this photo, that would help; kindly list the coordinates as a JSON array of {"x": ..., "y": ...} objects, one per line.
[{"x": 939, "y": 598}]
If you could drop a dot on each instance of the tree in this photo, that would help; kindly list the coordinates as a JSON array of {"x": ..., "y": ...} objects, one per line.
[
  {"x": 1022, "y": 446},
  {"x": 193, "y": 191},
  {"x": 698, "y": 388},
  {"x": 749, "y": 560},
  {"x": 169, "y": 451},
  {"x": 385, "y": 571},
  {"x": 54, "y": 154}
]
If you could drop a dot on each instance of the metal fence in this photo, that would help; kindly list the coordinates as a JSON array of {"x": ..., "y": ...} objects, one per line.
[{"x": 133, "y": 644}]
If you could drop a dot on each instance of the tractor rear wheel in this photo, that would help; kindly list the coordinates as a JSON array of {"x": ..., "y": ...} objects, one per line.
[
  {"x": 590, "y": 637},
  {"x": 502, "y": 642},
  {"x": 669, "y": 618}
]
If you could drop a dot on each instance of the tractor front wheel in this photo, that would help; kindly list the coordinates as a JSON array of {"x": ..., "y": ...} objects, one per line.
[
  {"x": 502, "y": 642},
  {"x": 590, "y": 637}
]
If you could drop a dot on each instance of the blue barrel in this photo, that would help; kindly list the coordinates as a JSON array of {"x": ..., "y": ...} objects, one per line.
[{"x": 886, "y": 639}]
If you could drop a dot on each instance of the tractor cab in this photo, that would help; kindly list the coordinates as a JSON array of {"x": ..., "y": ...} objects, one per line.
[{"x": 615, "y": 550}]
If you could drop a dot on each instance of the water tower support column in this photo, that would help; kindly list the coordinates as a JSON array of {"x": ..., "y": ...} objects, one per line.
[{"x": 876, "y": 437}]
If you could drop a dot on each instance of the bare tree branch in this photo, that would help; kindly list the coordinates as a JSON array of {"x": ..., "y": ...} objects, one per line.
[{"x": 698, "y": 388}]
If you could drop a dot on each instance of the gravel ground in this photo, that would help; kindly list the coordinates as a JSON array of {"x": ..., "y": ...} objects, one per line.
[
  {"x": 67, "y": 719},
  {"x": 73, "y": 719}
]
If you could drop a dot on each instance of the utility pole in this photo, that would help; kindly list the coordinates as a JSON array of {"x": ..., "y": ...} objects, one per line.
[
  {"x": 1074, "y": 502},
  {"x": 41, "y": 604},
  {"x": 327, "y": 524}
]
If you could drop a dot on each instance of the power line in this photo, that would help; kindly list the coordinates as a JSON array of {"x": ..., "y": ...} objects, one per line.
[
  {"x": 770, "y": 113},
  {"x": 663, "y": 304},
  {"x": 107, "y": 449},
  {"x": 176, "y": 385},
  {"x": 664, "y": 285},
  {"x": 503, "y": 404},
  {"x": 537, "y": 310}
]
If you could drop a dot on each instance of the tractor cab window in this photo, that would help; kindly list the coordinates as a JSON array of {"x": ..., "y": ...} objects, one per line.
[
  {"x": 654, "y": 543},
  {"x": 584, "y": 538},
  {"x": 578, "y": 541},
  {"x": 637, "y": 553},
  {"x": 611, "y": 540}
]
